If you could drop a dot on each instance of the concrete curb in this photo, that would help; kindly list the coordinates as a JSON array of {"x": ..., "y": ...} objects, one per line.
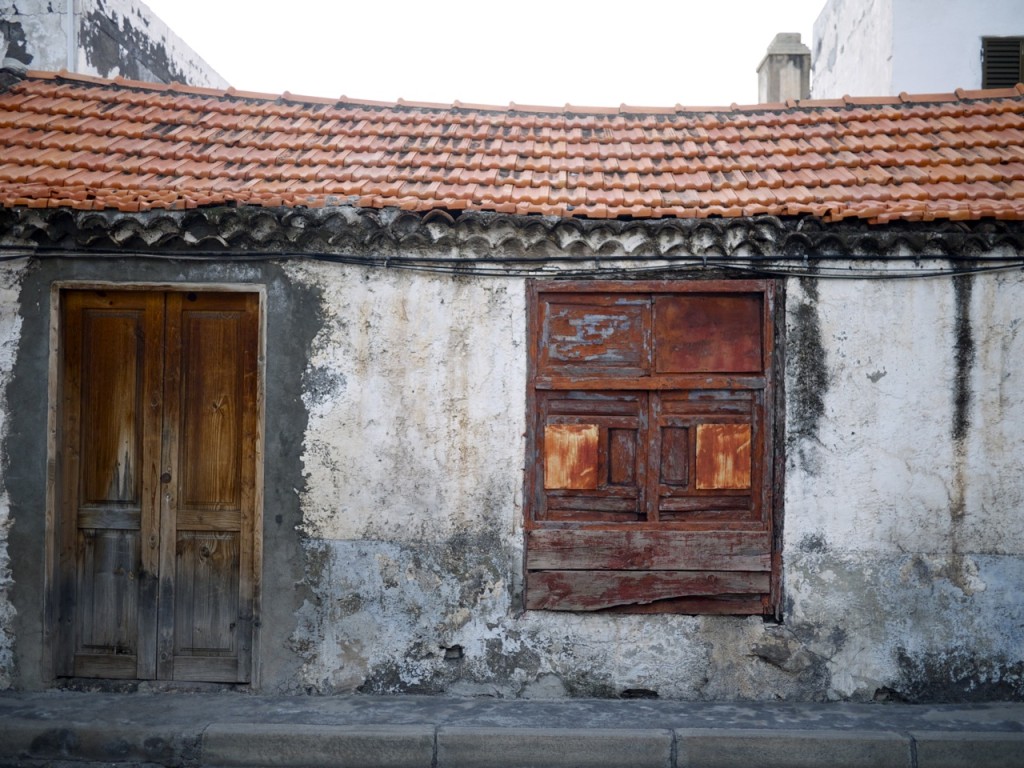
[
  {"x": 733, "y": 747},
  {"x": 159, "y": 732},
  {"x": 334, "y": 746},
  {"x": 968, "y": 749},
  {"x": 26, "y": 739},
  {"x": 481, "y": 747}
]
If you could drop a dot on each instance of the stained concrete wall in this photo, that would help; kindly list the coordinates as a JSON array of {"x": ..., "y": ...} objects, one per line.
[
  {"x": 108, "y": 38},
  {"x": 393, "y": 541},
  {"x": 885, "y": 47}
]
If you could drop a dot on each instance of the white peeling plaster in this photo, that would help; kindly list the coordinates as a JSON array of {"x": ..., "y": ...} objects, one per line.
[{"x": 416, "y": 390}]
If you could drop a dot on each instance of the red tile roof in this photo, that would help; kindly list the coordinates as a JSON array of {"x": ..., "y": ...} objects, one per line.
[{"x": 87, "y": 143}]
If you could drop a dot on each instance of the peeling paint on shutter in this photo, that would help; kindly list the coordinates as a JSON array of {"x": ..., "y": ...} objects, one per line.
[
  {"x": 650, "y": 463},
  {"x": 723, "y": 456},
  {"x": 570, "y": 456}
]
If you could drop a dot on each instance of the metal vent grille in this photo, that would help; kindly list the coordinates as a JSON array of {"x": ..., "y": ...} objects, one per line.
[{"x": 1002, "y": 61}]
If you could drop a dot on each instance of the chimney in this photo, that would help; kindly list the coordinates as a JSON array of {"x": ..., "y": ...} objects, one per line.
[{"x": 785, "y": 71}]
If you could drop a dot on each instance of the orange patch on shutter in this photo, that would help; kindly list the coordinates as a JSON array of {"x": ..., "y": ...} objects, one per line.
[
  {"x": 723, "y": 456},
  {"x": 570, "y": 456}
]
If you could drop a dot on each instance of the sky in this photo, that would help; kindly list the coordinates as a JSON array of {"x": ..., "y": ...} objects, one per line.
[{"x": 549, "y": 53}]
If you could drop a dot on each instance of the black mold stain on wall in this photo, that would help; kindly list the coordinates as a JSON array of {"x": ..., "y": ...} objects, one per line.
[
  {"x": 17, "y": 44},
  {"x": 958, "y": 676},
  {"x": 805, "y": 353},
  {"x": 963, "y": 355},
  {"x": 123, "y": 49}
]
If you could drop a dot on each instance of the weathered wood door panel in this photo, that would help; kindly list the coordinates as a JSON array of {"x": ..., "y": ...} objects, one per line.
[{"x": 157, "y": 475}]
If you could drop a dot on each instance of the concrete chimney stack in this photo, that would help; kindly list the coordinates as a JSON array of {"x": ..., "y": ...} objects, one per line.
[{"x": 785, "y": 71}]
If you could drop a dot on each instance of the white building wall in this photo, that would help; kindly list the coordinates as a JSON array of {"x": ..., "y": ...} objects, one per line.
[
  {"x": 886, "y": 47},
  {"x": 937, "y": 43},
  {"x": 109, "y": 38},
  {"x": 852, "y": 50}
]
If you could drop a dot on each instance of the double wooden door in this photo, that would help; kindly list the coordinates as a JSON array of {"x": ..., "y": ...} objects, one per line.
[{"x": 156, "y": 485}]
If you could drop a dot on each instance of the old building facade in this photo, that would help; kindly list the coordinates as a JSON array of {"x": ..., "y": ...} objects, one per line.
[{"x": 324, "y": 397}]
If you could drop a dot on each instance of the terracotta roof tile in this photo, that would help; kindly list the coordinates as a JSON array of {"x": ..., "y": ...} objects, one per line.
[{"x": 90, "y": 143}]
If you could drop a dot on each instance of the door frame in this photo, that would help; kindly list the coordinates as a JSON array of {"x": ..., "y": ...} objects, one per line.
[{"x": 51, "y": 573}]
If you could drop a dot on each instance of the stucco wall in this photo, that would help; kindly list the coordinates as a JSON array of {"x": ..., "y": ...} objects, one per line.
[
  {"x": 392, "y": 536},
  {"x": 886, "y": 47},
  {"x": 852, "y": 49},
  {"x": 109, "y": 38},
  {"x": 903, "y": 552}
]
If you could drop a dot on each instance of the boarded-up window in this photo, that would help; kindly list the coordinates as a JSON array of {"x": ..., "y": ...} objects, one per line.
[{"x": 650, "y": 468}]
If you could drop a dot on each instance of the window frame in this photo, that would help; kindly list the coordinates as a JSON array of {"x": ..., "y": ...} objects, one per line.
[{"x": 764, "y": 385}]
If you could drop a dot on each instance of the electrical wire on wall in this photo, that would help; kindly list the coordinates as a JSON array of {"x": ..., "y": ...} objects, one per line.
[{"x": 571, "y": 267}]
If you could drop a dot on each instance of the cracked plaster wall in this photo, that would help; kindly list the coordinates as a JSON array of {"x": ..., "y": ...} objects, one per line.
[{"x": 111, "y": 38}]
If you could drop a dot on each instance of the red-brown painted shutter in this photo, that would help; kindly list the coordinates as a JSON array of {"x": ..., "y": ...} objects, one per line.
[{"x": 650, "y": 470}]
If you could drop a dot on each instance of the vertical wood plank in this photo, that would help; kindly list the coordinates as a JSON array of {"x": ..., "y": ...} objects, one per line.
[
  {"x": 169, "y": 484},
  {"x": 212, "y": 414},
  {"x": 111, "y": 388},
  {"x": 151, "y": 416}
]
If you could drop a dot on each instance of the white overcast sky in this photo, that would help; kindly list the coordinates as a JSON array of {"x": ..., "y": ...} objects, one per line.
[{"x": 542, "y": 52}]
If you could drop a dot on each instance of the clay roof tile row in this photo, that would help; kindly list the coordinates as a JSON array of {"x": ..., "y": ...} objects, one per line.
[{"x": 90, "y": 143}]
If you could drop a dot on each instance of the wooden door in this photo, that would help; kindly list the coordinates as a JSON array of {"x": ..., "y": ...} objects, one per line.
[{"x": 157, "y": 476}]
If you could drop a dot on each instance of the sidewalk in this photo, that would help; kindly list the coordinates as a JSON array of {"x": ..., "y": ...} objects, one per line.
[{"x": 234, "y": 729}]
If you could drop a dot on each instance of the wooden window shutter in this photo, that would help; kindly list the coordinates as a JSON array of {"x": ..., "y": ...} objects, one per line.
[
  {"x": 650, "y": 467},
  {"x": 1002, "y": 61}
]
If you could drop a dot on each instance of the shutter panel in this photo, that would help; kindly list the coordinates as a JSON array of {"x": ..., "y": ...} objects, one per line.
[
  {"x": 650, "y": 448},
  {"x": 607, "y": 489}
]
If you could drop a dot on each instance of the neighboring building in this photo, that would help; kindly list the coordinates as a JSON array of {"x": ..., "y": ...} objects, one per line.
[
  {"x": 785, "y": 71},
  {"x": 880, "y": 47},
  {"x": 108, "y": 38},
  {"x": 325, "y": 396}
]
